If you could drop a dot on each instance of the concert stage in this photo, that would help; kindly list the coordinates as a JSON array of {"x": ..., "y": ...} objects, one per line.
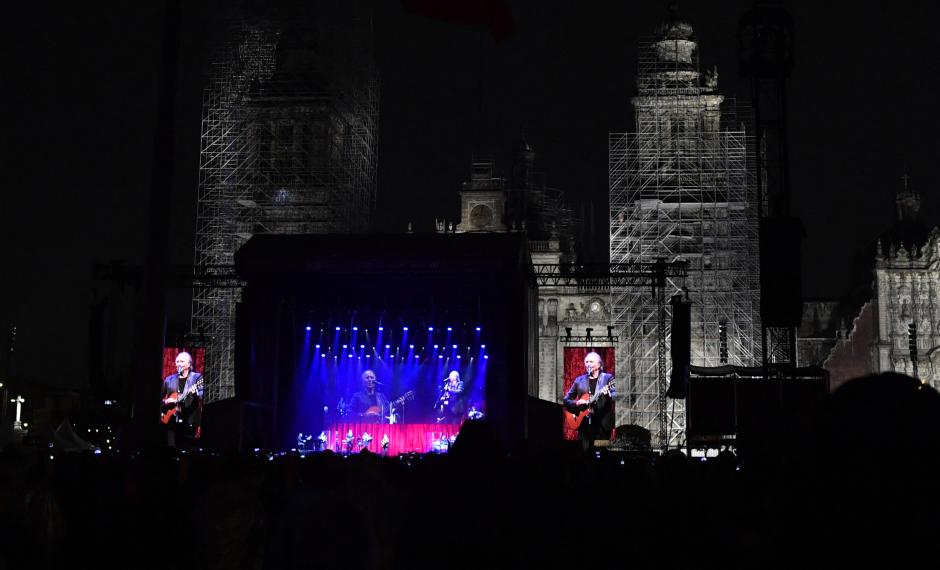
[{"x": 320, "y": 313}]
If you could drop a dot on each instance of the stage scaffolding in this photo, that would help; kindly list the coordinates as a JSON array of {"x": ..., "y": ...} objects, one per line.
[
  {"x": 289, "y": 130},
  {"x": 681, "y": 189}
]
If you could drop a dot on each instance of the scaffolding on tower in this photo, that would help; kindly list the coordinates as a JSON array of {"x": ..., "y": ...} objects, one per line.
[
  {"x": 681, "y": 189},
  {"x": 288, "y": 146}
]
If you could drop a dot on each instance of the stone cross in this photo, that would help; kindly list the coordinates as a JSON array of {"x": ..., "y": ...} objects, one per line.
[{"x": 19, "y": 401}]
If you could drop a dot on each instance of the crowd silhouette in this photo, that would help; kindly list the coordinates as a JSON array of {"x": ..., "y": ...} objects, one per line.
[{"x": 854, "y": 482}]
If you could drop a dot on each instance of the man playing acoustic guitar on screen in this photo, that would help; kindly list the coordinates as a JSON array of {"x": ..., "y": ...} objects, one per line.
[
  {"x": 182, "y": 401},
  {"x": 589, "y": 406}
]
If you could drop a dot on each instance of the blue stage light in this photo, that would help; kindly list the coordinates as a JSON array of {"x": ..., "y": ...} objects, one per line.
[
  {"x": 355, "y": 328},
  {"x": 435, "y": 346},
  {"x": 404, "y": 328},
  {"x": 322, "y": 356},
  {"x": 337, "y": 328},
  {"x": 381, "y": 328},
  {"x": 430, "y": 328},
  {"x": 478, "y": 329},
  {"x": 411, "y": 346},
  {"x": 317, "y": 346},
  {"x": 440, "y": 356},
  {"x": 455, "y": 346},
  {"x": 387, "y": 346},
  {"x": 350, "y": 356},
  {"x": 449, "y": 329},
  {"x": 458, "y": 357},
  {"x": 486, "y": 356},
  {"x": 308, "y": 327},
  {"x": 482, "y": 346},
  {"x": 344, "y": 346},
  {"x": 368, "y": 356}
]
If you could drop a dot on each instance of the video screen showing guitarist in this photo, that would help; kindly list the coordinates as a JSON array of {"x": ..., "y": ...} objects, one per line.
[
  {"x": 369, "y": 404},
  {"x": 182, "y": 400},
  {"x": 589, "y": 401}
]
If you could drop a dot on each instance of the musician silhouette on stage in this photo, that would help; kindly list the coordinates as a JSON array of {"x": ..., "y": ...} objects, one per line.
[
  {"x": 450, "y": 404},
  {"x": 592, "y": 385},
  {"x": 182, "y": 401},
  {"x": 369, "y": 404}
]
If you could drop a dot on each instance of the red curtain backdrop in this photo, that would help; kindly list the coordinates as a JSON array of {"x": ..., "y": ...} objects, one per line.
[
  {"x": 574, "y": 367},
  {"x": 169, "y": 359},
  {"x": 403, "y": 438}
]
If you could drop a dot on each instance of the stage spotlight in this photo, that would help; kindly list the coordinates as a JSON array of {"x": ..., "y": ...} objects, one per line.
[
  {"x": 404, "y": 328},
  {"x": 430, "y": 328},
  {"x": 381, "y": 328},
  {"x": 368, "y": 356},
  {"x": 482, "y": 346},
  {"x": 435, "y": 346},
  {"x": 455, "y": 346},
  {"x": 449, "y": 329},
  {"x": 362, "y": 346},
  {"x": 344, "y": 346},
  {"x": 317, "y": 346},
  {"x": 337, "y": 328},
  {"x": 355, "y": 328},
  {"x": 308, "y": 327},
  {"x": 350, "y": 356},
  {"x": 478, "y": 329},
  {"x": 440, "y": 356},
  {"x": 322, "y": 356},
  {"x": 411, "y": 346},
  {"x": 388, "y": 346},
  {"x": 486, "y": 356},
  {"x": 458, "y": 357}
]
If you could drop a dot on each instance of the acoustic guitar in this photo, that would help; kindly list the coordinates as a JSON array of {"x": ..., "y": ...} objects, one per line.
[
  {"x": 573, "y": 420},
  {"x": 174, "y": 405},
  {"x": 374, "y": 411}
]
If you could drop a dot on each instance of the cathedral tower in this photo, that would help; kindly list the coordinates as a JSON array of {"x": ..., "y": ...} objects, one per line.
[{"x": 681, "y": 188}]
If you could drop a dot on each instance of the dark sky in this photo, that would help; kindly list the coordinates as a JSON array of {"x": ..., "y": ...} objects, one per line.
[{"x": 81, "y": 83}]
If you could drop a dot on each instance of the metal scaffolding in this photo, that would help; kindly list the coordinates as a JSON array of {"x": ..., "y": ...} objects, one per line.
[
  {"x": 681, "y": 188},
  {"x": 289, "y": 130}
]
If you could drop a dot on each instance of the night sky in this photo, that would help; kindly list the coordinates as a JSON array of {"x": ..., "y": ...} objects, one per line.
[{"x": 81, "y": 83}]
